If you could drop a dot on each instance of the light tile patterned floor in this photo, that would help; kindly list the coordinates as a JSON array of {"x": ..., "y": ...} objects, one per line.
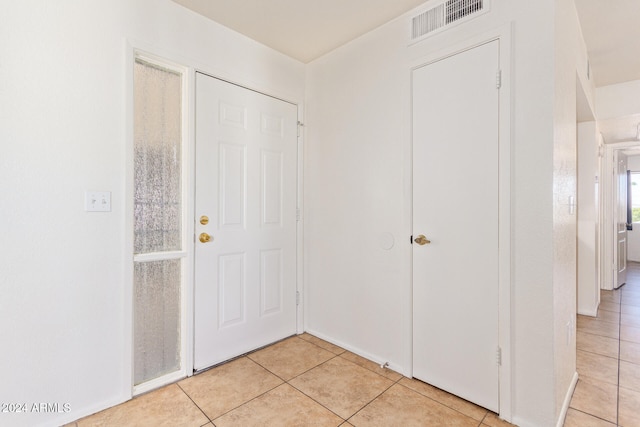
[
  {"x": 301, "y": 381},
  {"x": 305, "y": 381},
  {"x": 608, "y": 360}
]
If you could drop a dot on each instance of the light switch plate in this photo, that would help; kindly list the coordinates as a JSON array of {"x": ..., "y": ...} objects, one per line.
[{"x": 97, "y": 201}]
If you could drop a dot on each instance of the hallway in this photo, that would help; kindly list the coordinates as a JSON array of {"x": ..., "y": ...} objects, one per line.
[{"x": 608, "y": 360}]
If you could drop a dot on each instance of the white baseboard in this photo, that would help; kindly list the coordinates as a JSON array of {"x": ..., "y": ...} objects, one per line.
[
  {"x": 375, "y": 358},
  {"x": 84, "y": 412},
  {"x": 589, "y": 312},
  {"x": 567, "y": 400}
]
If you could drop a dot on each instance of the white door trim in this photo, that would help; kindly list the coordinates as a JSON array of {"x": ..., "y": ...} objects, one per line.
[
  {"x": 189, "y": 67},
  {"x": 608, "y": 223},
  {"x": 504, "y": 36}
]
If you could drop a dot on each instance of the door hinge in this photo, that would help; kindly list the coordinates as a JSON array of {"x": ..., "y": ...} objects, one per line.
[
  {"x": 498, "y": 79},
  {"x": 411, "y": 239},
  {"x": 498, "y": 356},
  {"x": 300, "y": 125},
  {"x": 297, "y": 297},
  {"x": 297, "y": 214}
]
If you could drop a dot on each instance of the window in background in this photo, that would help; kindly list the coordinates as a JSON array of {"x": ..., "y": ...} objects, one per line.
[{"x": 635, "y": 196}]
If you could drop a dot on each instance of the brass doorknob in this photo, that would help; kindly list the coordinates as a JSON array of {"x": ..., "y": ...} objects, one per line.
[
  {"x": 205, "y": 238},
  {"x": 421, "y": 240}
]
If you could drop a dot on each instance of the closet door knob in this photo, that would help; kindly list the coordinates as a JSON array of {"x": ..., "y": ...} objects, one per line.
[{"x": 422, "y": 240}]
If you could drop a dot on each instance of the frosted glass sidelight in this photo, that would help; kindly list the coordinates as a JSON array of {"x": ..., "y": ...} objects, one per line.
[
  {"x": 157, "y": 319},
  {"x": 157, "y": 157},
  {"x": 157, "y": 220}
]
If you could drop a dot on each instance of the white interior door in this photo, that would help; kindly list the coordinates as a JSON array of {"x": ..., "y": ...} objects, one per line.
[
  {"x": 455, "y": 207},
  {"x": 246, "y": 169},
  {"x": 621, "y": 219}
]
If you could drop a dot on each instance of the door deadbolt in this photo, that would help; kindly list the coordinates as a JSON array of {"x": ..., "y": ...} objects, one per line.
[{"x": 204, "y": 220}]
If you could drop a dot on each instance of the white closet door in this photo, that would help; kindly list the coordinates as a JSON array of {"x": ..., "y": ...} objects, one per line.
[{"x": 455, "y": 207}]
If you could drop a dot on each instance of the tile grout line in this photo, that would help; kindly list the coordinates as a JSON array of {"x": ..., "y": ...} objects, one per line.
[
  {"x": 255, "y": 397},
  {"x": 619, "y": 354},
  {"x": 325, "y": 407},
  {"x": 376, "y": 397},
  {"x": 395, "y": 382},
  {"x": 284, "y": 381},
  {"x": 333, "y": 356},
  {"x": 619, "y": 349},
  {"x": 305, "y": 394},
  {"x": 355, "y": 364},
  {"x": 193, "y": 401},
  {"x": 302, "y": 373},
  {"x": 243, "y": 403},
  {"x": 250, "y": 400},
  {"x": 346, "y": 360},
  {"x": 597, "y": 334},
  {"x": 296, "y": 376},
  {"x": 594, "y": 416},
  {"x": 619, "y": 336},
  {"x": 444, "y": 404}
]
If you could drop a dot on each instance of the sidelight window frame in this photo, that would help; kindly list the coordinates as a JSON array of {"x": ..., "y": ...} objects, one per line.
[{"x": 185, "y": 252}]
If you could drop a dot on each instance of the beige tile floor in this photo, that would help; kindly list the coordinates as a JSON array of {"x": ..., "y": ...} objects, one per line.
[
  {"x": 305, "y": 381},
  {"x": 608, "y": 360},
  {"x": 301, "y": 381}
]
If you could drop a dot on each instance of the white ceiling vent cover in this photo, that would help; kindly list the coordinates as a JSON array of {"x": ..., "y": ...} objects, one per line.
[{"x": 445, "y": 15}]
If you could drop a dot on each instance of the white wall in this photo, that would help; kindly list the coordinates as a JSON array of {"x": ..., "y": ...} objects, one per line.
[
  {"x": 588, "y": 293},
  {"x": 62, "y": 130},
  {"x": 618, "y": 100},
  {"x": 358, "y": 187},
  {"x": 633, "y": 237},
  {"x": 570, "y": 68}
]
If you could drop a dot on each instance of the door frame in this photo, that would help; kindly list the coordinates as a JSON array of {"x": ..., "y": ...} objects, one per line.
[
  {"x": 608, "y": 242},
  {"x": 132, "y": 50},
  {"x": 503, "y": 35}
]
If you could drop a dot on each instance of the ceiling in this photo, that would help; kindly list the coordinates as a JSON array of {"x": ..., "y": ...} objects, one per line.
[
  {"x": 302, "y": 29},
  {"x": 307, "y": 29},
  {"x": 612, "y": 33},
  {"x": 620, "y": 129}
]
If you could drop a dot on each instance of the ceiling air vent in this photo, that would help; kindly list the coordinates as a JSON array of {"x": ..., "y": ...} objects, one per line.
[{"x": 444, "y": 15}]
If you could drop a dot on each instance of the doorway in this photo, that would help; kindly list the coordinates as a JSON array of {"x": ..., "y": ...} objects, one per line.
[
  {"x": 245, "y": 208},
  {"x": 615, "y": 215},
  {"x": 457, "y": 223}
]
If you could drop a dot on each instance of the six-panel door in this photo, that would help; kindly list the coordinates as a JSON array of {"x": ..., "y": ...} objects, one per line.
[{"x": 245, "y": 271}]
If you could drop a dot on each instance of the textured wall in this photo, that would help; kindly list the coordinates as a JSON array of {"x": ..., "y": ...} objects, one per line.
[
  {"x": 570, "y": 65},
  {"x": 358, "y": 188},
  {"x": 63, "y": 130}
]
